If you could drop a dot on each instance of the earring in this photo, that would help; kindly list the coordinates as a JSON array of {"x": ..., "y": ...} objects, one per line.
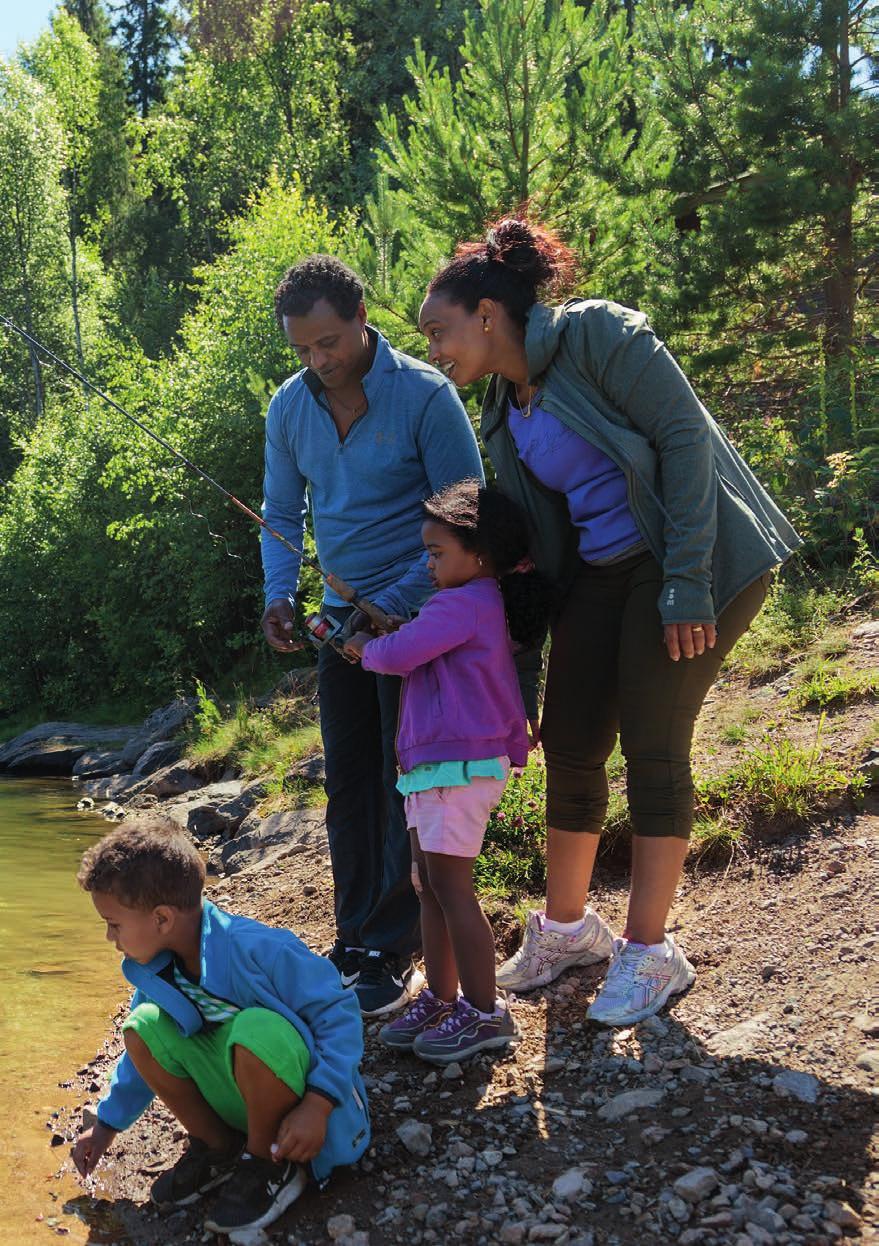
[{"x": 484, "y": 325}]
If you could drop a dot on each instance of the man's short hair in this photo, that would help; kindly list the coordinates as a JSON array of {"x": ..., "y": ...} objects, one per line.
[
  {"x": 318, "y": 277},
  {"x": 145, "y": 863}
]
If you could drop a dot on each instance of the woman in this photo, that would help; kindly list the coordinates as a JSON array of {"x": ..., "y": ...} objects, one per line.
[{"x": 662, "y": 542}]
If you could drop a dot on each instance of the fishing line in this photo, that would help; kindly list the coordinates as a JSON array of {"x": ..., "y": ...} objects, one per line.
[{"x": 166, "y": 445}]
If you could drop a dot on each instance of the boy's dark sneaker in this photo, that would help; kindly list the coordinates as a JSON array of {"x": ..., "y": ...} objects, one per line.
[
  {"x": 424, "y": 1013},
  {"x": 260, "y": 1191},
  {"x": 348, "y": 961},
  {"x": 464, "y": 1032},
  {"x": 198, "y": 1170},
  {"x": 386, "y": 982}
]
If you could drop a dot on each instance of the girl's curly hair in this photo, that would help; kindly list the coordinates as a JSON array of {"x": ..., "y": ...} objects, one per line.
[{"x": 492, "y": 525}]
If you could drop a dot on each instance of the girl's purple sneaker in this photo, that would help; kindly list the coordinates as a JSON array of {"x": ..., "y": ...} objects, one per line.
[
  {"x": 464, "y": 1032},
  {"x": 425, "y": 1012}
]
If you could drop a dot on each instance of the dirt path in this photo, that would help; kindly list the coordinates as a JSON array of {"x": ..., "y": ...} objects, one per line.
[{"x": 763, "y": 1081}]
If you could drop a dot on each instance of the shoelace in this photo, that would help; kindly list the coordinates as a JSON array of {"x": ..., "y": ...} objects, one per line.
[
  {"x": 624, "y": 966},
  {"x": 254, "y": 1173},
  {"x": 458, "y": 1016}
]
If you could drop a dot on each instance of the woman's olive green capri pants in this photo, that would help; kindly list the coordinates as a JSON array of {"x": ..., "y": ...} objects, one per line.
[
  {"x": 206, "y": 1057},
  {"x": 608, "y": 674}
]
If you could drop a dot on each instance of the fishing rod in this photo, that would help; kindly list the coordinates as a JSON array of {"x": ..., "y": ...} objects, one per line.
[{"x": 322, "y": 629}]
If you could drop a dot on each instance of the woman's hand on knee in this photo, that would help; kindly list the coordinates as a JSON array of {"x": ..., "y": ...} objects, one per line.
[{"x": 688, "y": 639}]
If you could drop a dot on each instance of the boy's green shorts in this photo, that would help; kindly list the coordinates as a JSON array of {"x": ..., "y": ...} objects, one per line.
[{"x": 206, "y": 1057}]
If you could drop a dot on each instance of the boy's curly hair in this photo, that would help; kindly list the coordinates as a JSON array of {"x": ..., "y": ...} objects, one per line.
[
  {"x": 144, "y": 864},
  {"x": 487, "y": 522}
]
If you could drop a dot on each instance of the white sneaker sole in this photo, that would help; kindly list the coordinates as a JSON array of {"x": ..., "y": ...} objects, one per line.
[
  {"x": 286, "y": 1198},
  {"x": 509, "y": 983},
  {"x": 410, "y": 990},
  {"x": 675, "y": 987}
]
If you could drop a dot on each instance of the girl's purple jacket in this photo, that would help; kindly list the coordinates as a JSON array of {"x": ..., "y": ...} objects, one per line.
[{"x": 461, "y": 699}]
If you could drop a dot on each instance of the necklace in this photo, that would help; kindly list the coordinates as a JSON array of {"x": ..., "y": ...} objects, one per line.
[
  {"x": 525, "y": 408},
  {"x": 347, "y": 409}
]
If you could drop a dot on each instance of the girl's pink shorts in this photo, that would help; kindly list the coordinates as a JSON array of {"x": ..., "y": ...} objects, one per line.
[{"x": 452, "y": 820}]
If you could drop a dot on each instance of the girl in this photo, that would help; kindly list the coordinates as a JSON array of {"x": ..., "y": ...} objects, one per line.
[
  {"x": 462, "y": 726},
  {"x": 662, "y": 542}
]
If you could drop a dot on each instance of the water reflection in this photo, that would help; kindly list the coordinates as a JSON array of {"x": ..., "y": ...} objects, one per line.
[{"x": 59, "y": 984}]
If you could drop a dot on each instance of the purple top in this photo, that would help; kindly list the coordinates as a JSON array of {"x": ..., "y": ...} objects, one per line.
[
  {"x": 461, "y": 698},
  {"x": 593, "y": 484}
]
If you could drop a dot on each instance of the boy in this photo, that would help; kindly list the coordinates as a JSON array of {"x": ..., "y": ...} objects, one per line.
[{"x": 246, "y": 1036}]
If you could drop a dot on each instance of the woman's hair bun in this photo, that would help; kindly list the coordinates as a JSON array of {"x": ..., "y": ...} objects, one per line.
[{"x": 536, "y": 253}]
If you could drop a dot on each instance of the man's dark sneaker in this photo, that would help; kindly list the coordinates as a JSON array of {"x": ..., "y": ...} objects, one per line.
[
  {"x": 198, "y": 1170},
  {"x": 348, "y": 961},
  {"x": 259, "y": 1192},
  {"x": 386, "y": 982}
]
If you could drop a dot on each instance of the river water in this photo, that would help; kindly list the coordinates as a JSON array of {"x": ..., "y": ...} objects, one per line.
[{"x": 59, "y": 986}]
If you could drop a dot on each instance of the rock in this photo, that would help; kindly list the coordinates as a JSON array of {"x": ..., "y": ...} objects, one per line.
[
  {"x": 654, "y": 1026},
  {"x": 513, "y": 1233},
  {"x": 85, "y": 804},
  {"x": 869, "y": 767},
  {"x": 98, "y": 764},
  {"x": 629, "y": 1101},
  {"x": 547, "y": 1232},
  {"x": 738, "y": 1040},
  {"x": 113, "y": 787},
  {"x": 174, "y": 780},
  {"x": 312, "y": 769},
  {"x": 163, "y": 724},
  {"x": 697, "y": 1184},
  {"x": 794, "y": 1084},
  {"x": 264, "y": 841},
  {"x": 571, "y": 1185},
  {"x": 867, "y": 631},
  {"x": 679, "y": 1209},
  {"x": 340, "y": 1226},
  {"x": 868, "y": 1059},
  {"x": 56, "y": 747},
  {"x": 416, "y": 1136},
  {"x": 843, "y": 1215},
  {"x": 869, "y": 1026},
  {"x": 492, "y": 1158},
  {"x": 796, "y": 1137},
  {"x": 452, "y": 1072},
  {"x": 159, "y": 755},
  {"x": 89, "y": 1116},
  {"x": 113, "y": 812},
  {"x": 696, "y": 1074}
]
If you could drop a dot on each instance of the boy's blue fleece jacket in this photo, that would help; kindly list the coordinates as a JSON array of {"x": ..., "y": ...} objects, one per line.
[{"x": 258, "y": 966}]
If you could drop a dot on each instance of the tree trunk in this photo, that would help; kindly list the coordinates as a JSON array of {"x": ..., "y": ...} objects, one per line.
[{"x": 839, "y": 282}]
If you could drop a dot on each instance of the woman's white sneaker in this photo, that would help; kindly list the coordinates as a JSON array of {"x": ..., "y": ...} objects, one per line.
[
  {"x": 639, "y": 982},
  {"x": 545, "y": 954}
]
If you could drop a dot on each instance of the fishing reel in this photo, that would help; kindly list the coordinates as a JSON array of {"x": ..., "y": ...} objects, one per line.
[{"x": 323, "y": 630}]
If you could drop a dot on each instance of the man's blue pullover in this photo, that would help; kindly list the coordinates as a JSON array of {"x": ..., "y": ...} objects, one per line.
[
  {"x": 365, "y": 492},
  {"x": 258, "y": 966}
]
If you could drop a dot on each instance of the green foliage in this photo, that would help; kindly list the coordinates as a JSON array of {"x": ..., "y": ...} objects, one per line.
[
  {"x": 779, "y": 781},
  {"x": 257, "y": 741},
  {"x": 513, "y": 855},
  {"x": 823, "y": 685},
  {"x": 793, "y": 617}
]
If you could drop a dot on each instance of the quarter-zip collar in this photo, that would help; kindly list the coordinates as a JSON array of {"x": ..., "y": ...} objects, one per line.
[{"x": 383, "y": 361}]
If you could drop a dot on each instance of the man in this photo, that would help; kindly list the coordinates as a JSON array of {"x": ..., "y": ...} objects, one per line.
[{"x": 365, "y": 433}]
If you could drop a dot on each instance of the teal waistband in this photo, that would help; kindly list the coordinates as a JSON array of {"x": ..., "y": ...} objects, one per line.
[{"x": 449, "y": 774}]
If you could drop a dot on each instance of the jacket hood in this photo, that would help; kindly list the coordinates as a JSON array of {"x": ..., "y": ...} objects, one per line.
[{"x": 543, "y": 331}]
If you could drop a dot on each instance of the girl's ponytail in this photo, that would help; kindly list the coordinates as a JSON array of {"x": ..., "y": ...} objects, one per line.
[{"x": 529, "y": 598}]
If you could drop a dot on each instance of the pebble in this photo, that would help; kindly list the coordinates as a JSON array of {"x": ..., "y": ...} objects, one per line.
[
  {"x": 843, "y": 1215},
  {"x": 796, "y": 1137},
  {"x": 512, "y": 1233},
  {"x": 416, "y": 1136},
  {"x": 868, "y": 1059},
  {"x": 801, "y": 1086},
  {"x": 340, "y": 1226},
  {"x": 629, "y": 1101},
  {"x": 679, "y": 1209},
  {"x": 571, "y": 1185},
  {"x": 547, "y": 1232},
  {"x": 452, "y": 1071},
  {"x": 697, "y": 1184}
]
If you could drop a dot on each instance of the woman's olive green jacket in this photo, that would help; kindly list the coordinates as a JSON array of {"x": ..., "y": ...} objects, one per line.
[{"x": 604, "y": 373}]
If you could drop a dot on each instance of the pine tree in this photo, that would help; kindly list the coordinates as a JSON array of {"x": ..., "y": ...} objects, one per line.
[{"x": 147, "y": 34}]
